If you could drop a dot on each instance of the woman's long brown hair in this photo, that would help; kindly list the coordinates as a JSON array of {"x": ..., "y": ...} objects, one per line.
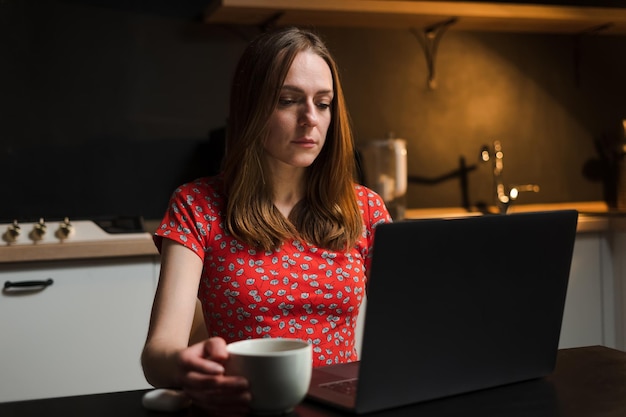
[{"x": 328, "y": 216}]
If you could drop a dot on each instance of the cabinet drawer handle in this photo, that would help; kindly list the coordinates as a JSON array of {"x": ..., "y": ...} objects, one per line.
[{"x": 28, "y": 284}]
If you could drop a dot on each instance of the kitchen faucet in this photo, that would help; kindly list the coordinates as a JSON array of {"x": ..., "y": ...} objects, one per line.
[{"x": 503, "y": 199}]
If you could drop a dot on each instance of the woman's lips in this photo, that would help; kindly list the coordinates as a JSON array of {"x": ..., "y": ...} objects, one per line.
[{"x": 306, "y": 142}]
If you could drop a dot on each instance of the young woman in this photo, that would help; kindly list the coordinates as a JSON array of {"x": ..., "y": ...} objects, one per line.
[{"x": 278, "y": 244}]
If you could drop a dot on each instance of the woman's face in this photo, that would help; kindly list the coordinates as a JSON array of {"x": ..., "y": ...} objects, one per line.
[{"x": 300, "y": 121}]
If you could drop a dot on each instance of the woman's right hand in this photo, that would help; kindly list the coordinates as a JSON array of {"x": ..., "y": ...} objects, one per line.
[{"x": 201, "y": 377}]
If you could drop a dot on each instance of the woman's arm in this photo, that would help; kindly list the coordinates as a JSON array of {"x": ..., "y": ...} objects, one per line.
[
  {"x": 198, "y": 328},
  {"x": 172, "y": 314},
  {"x": 167, "y": 358}
]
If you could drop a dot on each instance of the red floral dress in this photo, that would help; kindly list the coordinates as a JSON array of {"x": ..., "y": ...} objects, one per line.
[{"x": 299, "y": 290}]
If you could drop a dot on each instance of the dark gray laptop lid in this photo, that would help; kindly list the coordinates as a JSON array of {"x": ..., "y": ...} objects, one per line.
[{"x": 458, "y": 305}]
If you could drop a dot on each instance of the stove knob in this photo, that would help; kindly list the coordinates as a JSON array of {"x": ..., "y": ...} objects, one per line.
[
  {"x": 65, "y": 229},
  {"x": 39, "y": 230},
  {"x": 12, "y": 232}
]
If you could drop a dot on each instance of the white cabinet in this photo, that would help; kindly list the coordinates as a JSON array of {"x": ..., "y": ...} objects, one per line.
[
  {"x": 582, "y": 319},
  {"x": 618, "y": 296},
  {"x": 593, "y": 305},
  {"x": 83, "y": 334}
]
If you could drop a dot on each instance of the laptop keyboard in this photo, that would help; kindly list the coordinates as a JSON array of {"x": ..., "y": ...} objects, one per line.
[{"x": 346, "y": 386}]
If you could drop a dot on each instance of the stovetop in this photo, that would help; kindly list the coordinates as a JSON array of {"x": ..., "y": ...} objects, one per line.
[{"x": 41, "y": 232}]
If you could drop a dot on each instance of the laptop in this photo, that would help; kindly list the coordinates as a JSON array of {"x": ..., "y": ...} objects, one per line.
[{"x": 455, "y": 306}]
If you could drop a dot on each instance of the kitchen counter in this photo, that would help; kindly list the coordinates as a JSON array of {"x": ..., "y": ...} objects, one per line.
[
  {"x": 142, "y": 245},
  {"x": 594, "y": 216}
]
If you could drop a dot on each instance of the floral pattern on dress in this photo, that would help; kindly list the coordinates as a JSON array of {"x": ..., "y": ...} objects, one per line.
[{"x": 297, "y": 291}]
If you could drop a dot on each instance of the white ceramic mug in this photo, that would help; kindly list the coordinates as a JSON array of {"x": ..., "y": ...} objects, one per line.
[{"x": 278, "y": 369}]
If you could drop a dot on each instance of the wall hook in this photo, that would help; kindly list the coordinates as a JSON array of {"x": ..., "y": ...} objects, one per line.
[{"x": 429, "y": 38}]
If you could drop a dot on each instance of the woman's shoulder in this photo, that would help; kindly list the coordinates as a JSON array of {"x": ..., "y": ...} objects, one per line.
[
  {"x": 364, "y": 193},
  {"x": 371, "y": 204},
  {"x": 203, "y": 186},
  {"x": 202, "y": 195}
]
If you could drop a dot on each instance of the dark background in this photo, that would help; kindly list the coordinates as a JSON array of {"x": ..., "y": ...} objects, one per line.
[{"x": 107, "y": 106}]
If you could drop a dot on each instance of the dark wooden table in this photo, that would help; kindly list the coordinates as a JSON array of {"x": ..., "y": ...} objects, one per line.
[{"x": 587, "y": 382}]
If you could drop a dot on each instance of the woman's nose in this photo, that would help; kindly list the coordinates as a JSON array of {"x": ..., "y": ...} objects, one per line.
[{"x": 308, "y": 116}]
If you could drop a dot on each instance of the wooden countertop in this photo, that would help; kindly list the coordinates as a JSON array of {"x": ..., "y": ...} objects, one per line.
[
  {"x": 140, "y": 246},
  {"x": 594, "y": 216}
]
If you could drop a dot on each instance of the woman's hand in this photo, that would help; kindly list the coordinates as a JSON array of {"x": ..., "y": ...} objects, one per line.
[{"x": 202, "y": 379}]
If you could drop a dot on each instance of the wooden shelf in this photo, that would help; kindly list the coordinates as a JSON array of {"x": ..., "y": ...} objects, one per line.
[{"x": 420, "y": 14}]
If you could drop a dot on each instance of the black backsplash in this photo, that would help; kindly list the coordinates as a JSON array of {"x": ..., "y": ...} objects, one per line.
[{"x": 112, "y": 178}]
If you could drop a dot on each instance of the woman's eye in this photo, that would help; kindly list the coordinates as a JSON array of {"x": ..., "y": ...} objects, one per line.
[{"x": 289, "y": 101}]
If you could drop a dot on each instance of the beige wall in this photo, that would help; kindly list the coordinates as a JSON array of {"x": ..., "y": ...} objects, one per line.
[{"x": 545, "y": 97}]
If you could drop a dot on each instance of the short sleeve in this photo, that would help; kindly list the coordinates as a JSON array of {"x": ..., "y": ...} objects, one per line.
[{"x": 192, "y": 216}]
